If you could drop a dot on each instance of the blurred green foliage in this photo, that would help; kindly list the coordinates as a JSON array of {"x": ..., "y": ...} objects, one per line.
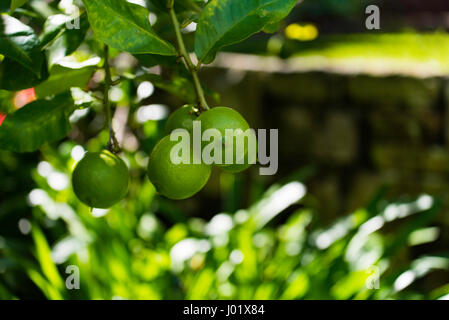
[
  {"x": 407, "y": 48},
  {"x": 275, "y": 249},
  {"x": 147, "y": 247}
]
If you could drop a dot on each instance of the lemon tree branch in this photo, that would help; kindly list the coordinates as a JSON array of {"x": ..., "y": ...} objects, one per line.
[
  {"x": 112, "y": 143},
  {"x": 184, "y": 54}
]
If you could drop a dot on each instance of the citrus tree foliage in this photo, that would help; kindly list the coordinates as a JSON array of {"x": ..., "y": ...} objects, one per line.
[
  {"x": 39, "y": 49},
  {"x": 146, "y": 247}
]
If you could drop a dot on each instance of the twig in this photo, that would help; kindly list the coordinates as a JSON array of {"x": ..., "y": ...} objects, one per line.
[
  {"x": 112, "y": 142},
  {"x": 183, "y": 52}
]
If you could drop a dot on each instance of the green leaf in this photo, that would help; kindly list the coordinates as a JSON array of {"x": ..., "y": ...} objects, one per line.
[
  {"x": 180, "y": 6},
  {"x": 37, "y": 123},
  {"x": 14, "y": 76},
  {"x": 44, "y": 285},
  {"x": 5, "y": 294},
  {"x": 225, "y": 22},
  {"x": 54, "y": 26},
  {"x": 176, "y": 85},
  {"x": 151, "y": 60},
  {"x": 161, "y": 4},
  {"x": 125, "y": 26},
  {"x": 19, "y": 43},
  {"x": 43, "y": 255},
  {"x": 63, "y": 78},
  {"x": 44, "y": 9},
  {"x": 179, "y": 85},
  {"x": 17, "y": 4},
  {"x": 6, "y": 101},
  {"x": 271, "y": 27},
  {"x": 67, "y": 41},
  {"x": 297, "y": 287},
  {"x": 186, "y": 18},
  {"x": 4, "y": 6}
]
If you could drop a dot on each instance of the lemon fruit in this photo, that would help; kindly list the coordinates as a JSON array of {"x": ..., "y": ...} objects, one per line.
[
  {"x": 249, "y": 160},
  {"x": 222, "y": 118},
  {"x": 100, "y": 179},
  {"x": 181, "y": 119},
  {"x": 175, "y": 181}
]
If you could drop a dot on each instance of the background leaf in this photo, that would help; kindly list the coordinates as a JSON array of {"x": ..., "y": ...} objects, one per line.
[
  {"x": 176, "y": 85},
  {"x": 4, "y": 6},
  {"x": 67, "y": 41},
  {"x": 37, "y": 123},
  {"x": 20, "y": 43},
  {"x": 151, "y": 60},
  {"x": 6, "y": 101},
  {"x": 225, "y": 22},
  {"x": 56, "y": 26},
  {"x": 17, "y": 4},
  {"x": 180, "y": 6},
  {"x": 125, "y": 26},
  {"x": 43, "y": 255},
  {"x": 63, "y": 78},
  {"x": 14, "y": 76}
]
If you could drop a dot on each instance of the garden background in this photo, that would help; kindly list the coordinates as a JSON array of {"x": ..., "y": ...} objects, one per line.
[{"x": 357, "y": 210}]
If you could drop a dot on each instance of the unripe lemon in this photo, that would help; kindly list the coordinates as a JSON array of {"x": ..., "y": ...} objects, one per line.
[
  {"x": 181, "y": 119},
  {"x": 236, "y": 168},
  {"x": 222, "y": 118},
  {"x": 248, "y": 161},
  {"x": 100, "y": 179},
  {"x": 175, "y": 181}
]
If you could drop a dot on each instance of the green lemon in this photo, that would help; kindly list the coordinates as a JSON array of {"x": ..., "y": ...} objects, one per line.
[
  {"x": 100, "y": 179},
  {"x": 236, "y": 168},
  {"x": 249, "y": 160},
  {"x": 222, "y": 118},
  {"x": 175, "y": 181},
  {"x": 182, "y": 118}
]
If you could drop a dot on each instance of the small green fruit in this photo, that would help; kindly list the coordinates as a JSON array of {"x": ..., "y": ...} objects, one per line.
[
  {"x": 100, "y": 179},
  {"x": 182, "y": 118},
  {"x": 236, "y": 168},
  {"x": 222, "y": 118},
  {"x": 249, "y": 160},
  {"x": 175, "y": 181}
]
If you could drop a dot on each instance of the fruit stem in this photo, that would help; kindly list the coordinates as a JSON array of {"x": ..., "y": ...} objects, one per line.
[
  {"x": 112, "y": 143},
  {"x": 183, "y": 52}
]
